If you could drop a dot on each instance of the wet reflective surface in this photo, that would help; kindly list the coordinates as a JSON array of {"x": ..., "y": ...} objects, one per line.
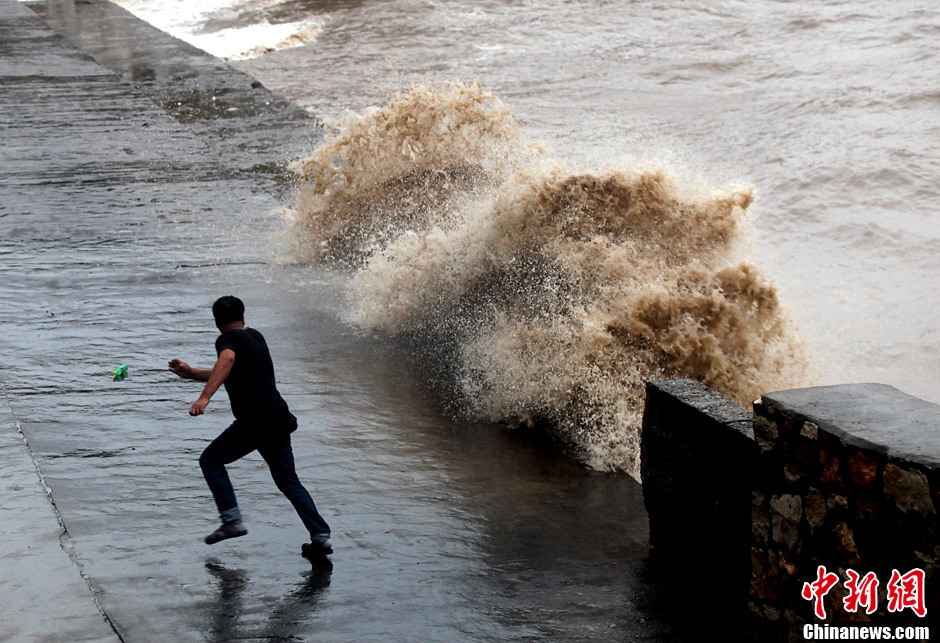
[{"x": 119, "y": 227}]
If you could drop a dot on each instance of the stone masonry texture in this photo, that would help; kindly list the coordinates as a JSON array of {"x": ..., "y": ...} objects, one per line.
[{"x": 847, "y": 479}]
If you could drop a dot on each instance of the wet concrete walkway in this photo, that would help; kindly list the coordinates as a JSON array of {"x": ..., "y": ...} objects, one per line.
[{"x": 121, "y": 220}]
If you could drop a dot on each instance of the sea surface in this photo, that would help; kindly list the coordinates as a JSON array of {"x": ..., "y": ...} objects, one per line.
[{"x": 782, "y": 154}]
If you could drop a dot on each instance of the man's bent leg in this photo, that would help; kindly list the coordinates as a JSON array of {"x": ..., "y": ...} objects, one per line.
[
  {"x": 280, "y": 458},
  {"x": 225, "y": 449}
]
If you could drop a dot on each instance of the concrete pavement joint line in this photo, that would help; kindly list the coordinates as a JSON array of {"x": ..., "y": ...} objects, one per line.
[{"x": 65, "y": 541}]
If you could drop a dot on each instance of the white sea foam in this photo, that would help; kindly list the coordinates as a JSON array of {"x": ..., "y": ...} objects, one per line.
[{"x": 231, "y": 30}]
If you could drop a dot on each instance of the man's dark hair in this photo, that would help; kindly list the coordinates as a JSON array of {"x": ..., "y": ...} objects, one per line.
[{"x": 228, "y": 309}]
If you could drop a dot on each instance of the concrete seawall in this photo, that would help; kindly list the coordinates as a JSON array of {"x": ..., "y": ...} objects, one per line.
[
  {"x": 92, "y": 172},
  {"x": 83, "y": 154},
  {"x": 128, "y": 202},
  {"x": 251, "y": 130}
]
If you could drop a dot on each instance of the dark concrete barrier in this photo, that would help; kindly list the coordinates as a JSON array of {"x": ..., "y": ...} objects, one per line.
[
  {"x": 780, "y": 505},
  {"x": 697, "y": 455}
]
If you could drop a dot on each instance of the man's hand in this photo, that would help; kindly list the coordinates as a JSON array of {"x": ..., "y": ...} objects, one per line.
[
  {"x": 187, "y": 372},
  {"x": 199, "y": 406},
  {"x": 181, "y": 368},
  {"x": 213, "y": 379}
]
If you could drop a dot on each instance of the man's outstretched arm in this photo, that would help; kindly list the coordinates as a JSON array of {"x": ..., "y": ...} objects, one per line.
[
  {"x": 187, "y": 372},
  {"x": 213, "y": 378}
]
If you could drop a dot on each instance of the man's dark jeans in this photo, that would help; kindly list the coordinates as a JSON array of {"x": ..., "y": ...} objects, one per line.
[{"x": 236, "y": 442}]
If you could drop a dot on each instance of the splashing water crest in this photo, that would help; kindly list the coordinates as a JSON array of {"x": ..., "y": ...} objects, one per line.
[
  {"x": 533, "y": 293},
  {"x": 402, "y": 168}
]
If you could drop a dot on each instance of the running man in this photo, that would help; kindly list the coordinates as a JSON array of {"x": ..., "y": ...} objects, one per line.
[{"x": 262, "y": 422}]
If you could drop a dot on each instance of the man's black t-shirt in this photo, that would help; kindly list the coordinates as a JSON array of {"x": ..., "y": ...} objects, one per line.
[{"x": 250, "y": 384}]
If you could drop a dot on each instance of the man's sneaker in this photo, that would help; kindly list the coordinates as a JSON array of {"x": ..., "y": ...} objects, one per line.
[
  {"x": 315, "y": 549},
  {"x": 227, "y": 530}
]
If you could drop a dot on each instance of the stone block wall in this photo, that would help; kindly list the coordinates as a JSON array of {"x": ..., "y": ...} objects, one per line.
[
  {"x": 848, "y": 477},
  {"x": 751, "y": 505}
]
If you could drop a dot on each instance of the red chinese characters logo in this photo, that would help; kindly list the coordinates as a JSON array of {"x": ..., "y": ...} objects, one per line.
[
  {"x": 904, "y": 591},
  {"x": 907, "y": 591},
  {"x": 816, "y": 590},
  {"x": 863, "y": 592}
]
